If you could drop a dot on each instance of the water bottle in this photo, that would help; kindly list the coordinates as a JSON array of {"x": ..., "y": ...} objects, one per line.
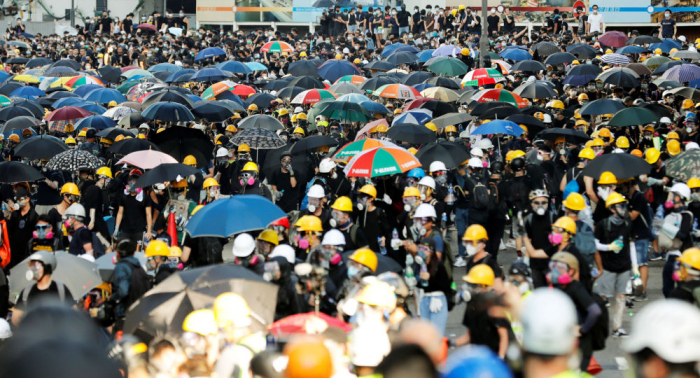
[
  {"x": 394, "y": 236},
  {"x": 620, "y": 243},
  {"x": 409, "y": 276},
  {"x": 594, "y": 272},
  {"x": 658, "y": 219},
  {"x": 423, "y": 268},
  {"x": 444, "y": 221},
  {"x": 382, "y": 248},
  {"x": 450, "y": 197}
]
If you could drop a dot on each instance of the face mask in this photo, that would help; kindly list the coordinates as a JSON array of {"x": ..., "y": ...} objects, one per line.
[
  {"x": 667, "y": 15},
  {"x": 556, "y": 238},
  {"x": 471, "y": 249},
  {"x": 441, "y": 180},
  {"x": 393, "y": 13},
  {"x": 539, "y": 157},
  {"x": 182, "y": 15},
  {"x": 352, "y": 271},
  {"x": 603, "y": 193},
  {"x": 43, "y": 234},
  {"x": 33, "y": 274},
  {"x": 695, "y": 197},
  {"x": 212, "y": 192},
  {"x": 541, "y": 210},
  {"x": 557, "y": 278},
  {"x": 645, "y": 86}
]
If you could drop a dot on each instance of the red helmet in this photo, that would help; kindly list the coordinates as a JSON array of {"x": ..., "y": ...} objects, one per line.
[{"x": 284, "y": 221}]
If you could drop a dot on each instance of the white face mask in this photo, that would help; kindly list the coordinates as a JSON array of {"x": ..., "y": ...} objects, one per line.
[
  {"x": 471, "y": 250},
  {"x": 689, "y": 130},
  {"x": 667, "y": 15},
  {"x": 541, "y": 210},
  {"x": 603, "y": 193}
]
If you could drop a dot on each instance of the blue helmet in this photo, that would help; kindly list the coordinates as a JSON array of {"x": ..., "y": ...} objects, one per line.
[
  {"x": 418, "y": 173},
  {"x": 475, "y": 361}
]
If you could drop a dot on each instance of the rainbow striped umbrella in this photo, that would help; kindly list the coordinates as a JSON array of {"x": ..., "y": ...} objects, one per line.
[
  {"x": 503, "y": 95},
  {"x": 82, "y": 80},
  {"x": 217, "y": 88},
  {"x": 277, "y": 47},
  {"x": 5, "y": 101},
  {"x": 398, "y": 91},
  {"x": 381, "y": 161},
  {"x": 313, "y": 96},
  {"x": 352, "y": 79},
  {"x": 482, "y": 76},
  {"x": 353, "y": 148},
  {"x": 61, "y": 82}
]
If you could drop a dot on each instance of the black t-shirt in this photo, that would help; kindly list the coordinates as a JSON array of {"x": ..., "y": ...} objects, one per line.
[
  {"x": 538, "y": 229},
  {"x": 81, "y": 237},
  {"x": 93, "y": 199},
  {"x": 360, "y": 238},
  {"x": 403, "y": 17},
  {"x": 127, "y": 23},
  {"x": 493, "y": 22},
  {"x": 488, "y": 260},
  {"x": 134, "y": 217},
  {"x": 640, "y": 226},
  {"x": 291, "y": 196},
  {"x": 667, "y": 27},
  {"x": 581, "y": 298},
  {"x": 616, "y": 262},
  {"x": 106, "y": 22},
  {"x": 36, "y": 294}
]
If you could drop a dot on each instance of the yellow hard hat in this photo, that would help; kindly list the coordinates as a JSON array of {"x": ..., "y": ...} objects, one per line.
[
  {"x": 342, "y": 204},
  {"x": 604, "y": 133},
  {"x": 608, "y": 51},
  {"x": 250, "y": 167},
  {"x": 556, "y": 104},
  {"x": 232, "y": 128},
  {"x": 691, "y": 257},
  {"x": 176, "y": 251},
  {"x": 299, "y": 130},
  {"x": 462, "y": 7},
  {"x": 269, "y": 236},
  {"x": 539, "y": 115},
  {"x": 209, "y": 183},
  {"x": 369, "y": 190},
  {"x": 339, "y": 56},
  {"x": 231, "y": 308},
  {"x": 381, "y": 128},
  {"x": 450, "y": 129},
  {"x": 301, "y": 116},
  {"x": 575, "y": 63},
  {"x": 244, "y": 148},
  {"x": 514, "y": 154},
  {"x": 104, "y": 171},
  {"x": 202, "y": 322},
  {"x": 411, "y": 191},
  {"x": 575, "y": 201},
  {"x": 582, "y": 96},
  {"x": 357, "y": 61},
  {"x": 190, "y": 160},
  {"x": 70, "y": 140},
  {"x": 597, "y": 142},
  {"x": 586, "y": 153},
  {"x": 309, "y": 223},
  {"x": 160, "y": 130},
  {"x": 82, "y": 133},
  {"x": 112, "y": 104},
  {"x": 614, "y": 198},
  {"x": 674, "y": 147},
  {"x": 465, "y": 51},
  {"x": 475, "y": 232},
  {"x": 687, "y": 104},
  {"x": 498, "y": 86},
  {"x": 157, "y": 248},
  {"x": 454, "y": 12},
  {"x": 302, "y": 54},
  {"x": 622, "y": 142},
  {"x": 70, "y": 188},
  {"x": 694, "y": 182},
  {"x": 412, "y": 150},
  {"x": 607, "y": 178},
  {"x": 658, "y": 51},
  {"x": 397, "y": 111},
  {"x": 431, "y": 126},
  {"x": 378, "y": 293},
  {"x": 652, "y": 155},
  {"x": 672, "y": 135},
  {"x": 480, "y": 274},
  {"x": 283, "y": 111},
  {"x": 567, "y": 224},
  {"x": 119, "y": 138},
  {"x": 141, "y": 136},
  {"x": 252, "y": 107},
  {"x": 672, "y": 51},
  {"x": 366, "y": 257}
]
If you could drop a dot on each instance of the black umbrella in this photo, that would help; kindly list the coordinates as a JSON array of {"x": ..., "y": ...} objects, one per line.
[
  {"x": 602, "y": 106},
  {"x": 62, "y": 94},
  {"x": 560, "y": 58},
  {"x": 659, "y": 109},
  {"x": 300, "y": 162},
  {"x": 109, "y": 74},
  {"x": 40, "y": 147},
  {"x": 570, "y": 135},
  {"x": 38, "y": 62},
  {"x": 451, "y": 119},
  {"x": 20, "y": 123},
  {"x": 304, "y": 68},
  {"x": 19, "y": 60},
  {"x": 113, "y": 132},
  {"x": 620, "y": 77},
  {"x": 545, "y": 48},
  {"x": 57, "y": 71},
  {"x": 643, "y": 40},
  {"x": 164, "y": 173},
  {"x": 14, "y": 171},
  {"x": 213, "y": 112},
  {"x": 275, "y": 85},
  {"x": 535, "y": 90},
  {"x": 532, "y": 109},
  {"x": 411, "y": 133},
  {"x": 9, "y": 112},
  {"x": 73, "y": 161},
  {"x": 623, "y": 166},
  {"x": 70, "y": 63},
  {"x": 452, "y": 154},
  {"x": 311, "y": 143},
  {"x": 379, "y": 65},
  {"x": 47, "y": 102},
  {"x": 289, "y": 92},
  {"x": 377, "y": 82},
  {"x": 478, "y": 108},
  {"x": 633, "y": 116},
  {"x": 132, "y": 120},
  {"x": 258, "y": 138},
  {"x": 9, "y": 87},
  {"x": 262, "y": 121},
  {"x": 127, "y": 146},
  {"x": 401, "y": 57},
  {"x": 416, "y": 77},
  {"x": 167, "y": 95},
  {"x": 262, "y": 100},
  {"x": 528, "y": 66},
  {"x": 323, "y": 4},
  {"x": 691, "y": 93},
  {"x": 307, "y": 82},
  {"x": 441, "y": 81},
  {"x": 582, "y": 51},
  {"x": 30, "y": 105},
  {"x": 161, "y": 75},
  {"x": 500, "y": 112},
  {"x": 533, "y": 124},
  {"x": 438, "y": 108},
  {"x": 179, "y": 142}
]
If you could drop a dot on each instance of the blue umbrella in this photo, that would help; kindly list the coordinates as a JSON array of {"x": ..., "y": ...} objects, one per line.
[
  {"x": 28, "y": 92},
  {"x": 423, "y": 86},
  {"x": 210, "y": 75},
  {"x": 209, "y": 52},
  {"x": 234, "y": 67},
  {"x": 666, "y": 66},
  {"x": 374, "y": 107},
  {"x": 167, "y": 67},
  {"x": 67, "y": 101},
  {"x": 85, "y": 89},
  {"x": 91, "y": 107},
  {"x": 4, "y": 76},
  {"x": 446, "y": 50},
  {"x": 227, "y": 95},
  {"x": 631, "y": 49},
  {"x": 354, "y": 97},
  {"x": 515, "y": 54},
  {"x": 416, "y": 117},
  {"x": 97, "y": 122},
  {"x": 388, "y": 49},
  {"x": 256, "y": 66},
  {"x": 425, "y": 55},
  {"x": 499, "y": 126},
  {"x": 683, "y": 73},
  {"x": 334, "y": 69},
  {"x": 168, "y": 112},
  {"x": 666, "y": 45},
  {"x": 105, "y": 96},
  {"x": 173, "y": 76},
  {"x": 194, "y": 98},
  {"x": 252, "y": 213}
]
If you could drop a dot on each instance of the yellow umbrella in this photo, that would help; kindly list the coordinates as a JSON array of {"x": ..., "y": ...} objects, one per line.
[
  {"x": 61, "y": 82},
  {"x": 26, "y": 79}
]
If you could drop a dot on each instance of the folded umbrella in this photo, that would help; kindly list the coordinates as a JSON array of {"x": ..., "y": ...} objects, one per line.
[
  {"x": 147, "y": 159},
  {"x": 411, "y": 133},
  {"x": 179, "y": 142},
  {"x": 73, "y": 161},
  {"x": 623, "y": 166},
  {"x": 14, "y": 171},
  {"x": 40, "y": 147}
]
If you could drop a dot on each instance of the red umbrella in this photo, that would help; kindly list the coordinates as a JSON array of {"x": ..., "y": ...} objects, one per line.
[
  {"x": 147, "y": 27},
  {"x": 243, "y": 90},
  {"x": 297, "y": 323},
  {"x": 416, "y": 103},
  {"x": 67, "y": 113},
  {"x": 613, "y": 38},
  {"x": 129, "y": 68}
]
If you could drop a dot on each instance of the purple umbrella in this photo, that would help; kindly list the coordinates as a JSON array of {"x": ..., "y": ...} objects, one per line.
[
  {"x": 683, "y": 73},
  {"x": 613, "y": 38},
  {"x": 446, "y": 50}
]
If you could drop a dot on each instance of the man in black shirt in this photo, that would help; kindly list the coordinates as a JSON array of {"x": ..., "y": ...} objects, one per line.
[
  {"x": 128, "y": 23},
  {"x": 417, "y": 21},
  {"x": 493, "y": 22},
  {"x": 105, "y": 24},
  {"x": 402, "y": 16},
  {"x": 538, "y": 226},
  {"x": 21, "y": 226},
  {"x": 285, "y": 186},
  {"x": 93, "y": 200}
]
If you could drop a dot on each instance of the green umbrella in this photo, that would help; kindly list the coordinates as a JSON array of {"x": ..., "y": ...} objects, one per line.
[
  {"x": 136, "y": 71},
  {"x": 655, "y": 61},
  {"x": 124, "y": 88},
  {"x": 449, "y": 67},
  {"x": 633, "y": 117},
  {"x": 684, "y": 165},
  {"x": 346, "y": 111}
]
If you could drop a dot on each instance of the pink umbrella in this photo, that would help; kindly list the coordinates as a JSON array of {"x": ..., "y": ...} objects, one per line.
[
  {"x": 613, "y": 38},
  {"x": 147, "y": 27},
  {"x": 128, "y": 68},
  {"x": 66, "y": 113},
  {"x": 147, "y": 159},
  {"x": 365, "y": 130}
]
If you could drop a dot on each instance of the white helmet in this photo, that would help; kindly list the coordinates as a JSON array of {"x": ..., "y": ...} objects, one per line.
[
  {"x": 664, "y": 120},
  {"x": 427, "y": 181},
  {"x": 475, "y": 162},
  {"x": 477, "y": 152},
  {"x": 76, "y": 211},
  {"x": 667, "y": 93},
  {"x": 437, "y": 166},
  {"x": 316, "y": 191},
  {"x": 682, "y": 189},
  {"x": 425, "y": 210},
  {"x": 326, "y": 165},
  {"x": 691, "y": 146},
  {"x": 369, "y": 344},
  {"x": 547, "y": 118},
  {"x": 549, "y": 320},
  {"x": 670, "y": 328},
  {"x": 222, "y": 152},
  {"x": 243, "y": 245},
  {"x": 5, "y": 331},
  {"x": 484, "y": 144},
  {"x": 283, "y": 250},
  {"x": 464, "y": 134},
  {"x": 298, "y": 110},
  {"x": 333, "y": 237}
]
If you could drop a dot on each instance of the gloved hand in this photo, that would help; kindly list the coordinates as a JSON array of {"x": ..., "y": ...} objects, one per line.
[
  {"x": 387, "y": 199},
  {"x": 614, "y": 247},
  {"x": 435, "y": 304},
  {"x": 635, "y": 271},
  {"x": 653, "y": 181},
  {"x": 87, "y": 257},
  {"x": 115, "y": 234}
]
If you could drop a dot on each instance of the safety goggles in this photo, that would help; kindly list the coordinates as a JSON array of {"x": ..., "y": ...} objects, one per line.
[
  {"x": 244, "y": 155},
  {"x": 425, "y": 249},
  {"x": 439, "y": 173},
  {"x": 411, "y": 181},
  {"x": 540, "y": 203},
  {"x": 597, "y": 148},
  {"x": 286, "y": 160},
  {"x": 410, "y": 200},
  {"x": 42, "y": 227},
  {"x": 247, "y": 175},
  {"x": 620, "y": 206},
  {"x": 559, "y": 266},
  {"x": 20, "y": 199},
  {"x": 74, "y": 198},
  {"x": 422, "y": 220}
]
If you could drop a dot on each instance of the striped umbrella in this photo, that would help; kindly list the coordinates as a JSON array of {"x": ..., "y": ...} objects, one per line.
[
  {"x": 313, "y": 96},
  {"x": 277, "y": 47},
  {"x": 5, "y": 101},
  {"x": 217, "y": 88},
  {"x": 381, "y": 161},
  {"x": 415, "y": 116},
  {"x": 505, "y": 67},
  {"x": 615, "y": 59},
  {"x": 351, "y": 149},
  {"x": 482, "y": 76},
  {"x": 82, "y": 80},
  {"x": 683, "y": 74},
  {"x": 500, "y": 95},
  {"x": 61, "y": 82},
  {"x": 352, "y": 79},
  {"x": 397, "y": 91}
]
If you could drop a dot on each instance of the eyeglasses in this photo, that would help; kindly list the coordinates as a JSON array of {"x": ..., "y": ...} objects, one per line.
[
  {"x": 42, "y": 226},
  {"x": 539, "y": 203}
]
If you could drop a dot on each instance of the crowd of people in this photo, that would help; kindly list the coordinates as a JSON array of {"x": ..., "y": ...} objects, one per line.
[{"x": 354, "y": 172}]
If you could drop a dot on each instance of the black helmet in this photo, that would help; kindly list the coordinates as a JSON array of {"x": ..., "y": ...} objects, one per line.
[
  {"x": 91, "y": 133},
  {"x": 519, "y": 267},
  {"x": 518, "y": 164},
  {"x": 497, "y": 167}
]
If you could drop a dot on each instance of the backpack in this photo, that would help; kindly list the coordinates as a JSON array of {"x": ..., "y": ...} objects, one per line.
[
  {"x": 497, "y": 203},
  {"x": 480, "y": 195},
  {"x": 600, "y": 330},
  {"x": 209, "y": 251},
  {"x": 584, "y": 240},
  {"x": 572, "y": 186},
  {"x": 139, "y": 283}
]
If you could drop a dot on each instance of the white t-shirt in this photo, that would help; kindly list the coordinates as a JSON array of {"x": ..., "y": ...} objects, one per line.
[{"x": 595, "y": 20}]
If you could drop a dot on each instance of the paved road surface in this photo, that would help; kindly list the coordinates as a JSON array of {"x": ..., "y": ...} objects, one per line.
[{"x": 612, "y": 359}]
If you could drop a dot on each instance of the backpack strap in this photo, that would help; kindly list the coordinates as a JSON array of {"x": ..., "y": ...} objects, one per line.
[
  {"x": 61, "y": 290},
  {"x": 353, "y": 233},
  {"x": 25, "y": 293}
]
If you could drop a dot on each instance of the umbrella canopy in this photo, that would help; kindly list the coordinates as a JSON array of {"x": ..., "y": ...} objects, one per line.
[
  {"x": 451, "y": 154},
  {"x": 499, "y": 126},
  {"x": 352, "y": 79},
  {"x": 106, "y": 264},
  {"x": 398, "y": 58},
  {"x": 96, "y": 122},
  {"x": 528, "y": 66},
  {"x": 105, "y": 96},
  {"x": 451, "y": 119},
  {"x": 234, "y": 67},
  {"x": 643, "y": 40},
  {"x": 19, "y": 123},
  {"x": 560, "y": 58},
  {"x": 411, "y": 133},
  {"x": 582, "y": 51},
  {"x": 334, "y": 69},
  {"x": 515, "y": 54},
  {"x": 304, "y": 68},
  {"x": 623, "y": 166},
  {"x": 535, "y": 90},
  {"x": 667, "y": 66},
  {"x": 179, "y": 142},
  {"x": 40, "y": 147},
  {"x": 570, "y": 135},
  {"x": 377, "y": 82},
  {"x": 448, "y": 67},
  {"x": 127, "y": 146},
  {"x": 438, "y": 107},
  {"x": 168, "y": 112},
  {"x": 65, "y": 113},
  {"x": 615, "y": 59},
  {"x": 351, "y": 149},
  {"x": 397, "y": 91},
  {"x": 147, "y": 159},
  {"x": 261, "y": 121},
  {"x": 14, "y": 171},
  {"x": 255, "y": 213},
  {"x": 631, "y": 50},
  {"x": 210, "y": 75},
  {"x": 28, "y": 92},
  {"x": 296, "y": 324},
  {"x": 312, "y": 143},
  {"x": 306, "y": 82},
  {"x": 258, "y": 138},
  {"x": 666, "y": 45},
  {"x": 277, "y": 47},
  {"x": 344, "y": 110},
  {"x": 441, "y": 81},
  {"x": 212, "y": 111},
  {"x": 167, "y": 95},
  {"x": 691, "y": 93},
  {"x": 313, "y": 96},
  {"x": 381, "y": 161},
  {"x": 114, "y": 132},
  {"x": 209, "y": 52},
  {"x": 683, "y": 73},
  {"x": 634, "y": 116},
  {"x": 613, "y": 38},
  {"x": 73, "y": 161},
  {"x": 686, "y": 54},
  {"x": 545, "y": 48},
  {"x": 482, "y": 76},
  {"x": 165, "y": 173},
  {"x": 501, "y": 95},
  {"x": 414, "y": 116},
  {"x": 602, "y": 106},
  {"x": 653, "y": 62},
  {"x": 639, "y": 68},
  {"x": 684, "y": 165},
  {"x": 620, "y": 76}
]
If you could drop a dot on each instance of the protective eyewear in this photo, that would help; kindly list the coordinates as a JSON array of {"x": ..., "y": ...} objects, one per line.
[
  {"x": 286, "y": 160},
  {"x": 42, "y": 226},
  {"x": 410, "y": 200},
  {"x": 425, "y": 249},
  {"x": 621, "y": 206},
  {"x": 559, "y": 266},
  {"x": 439, "y": 173},
  {"x": 539, "y": 203},
  {"x": 423, "y": 220}
]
